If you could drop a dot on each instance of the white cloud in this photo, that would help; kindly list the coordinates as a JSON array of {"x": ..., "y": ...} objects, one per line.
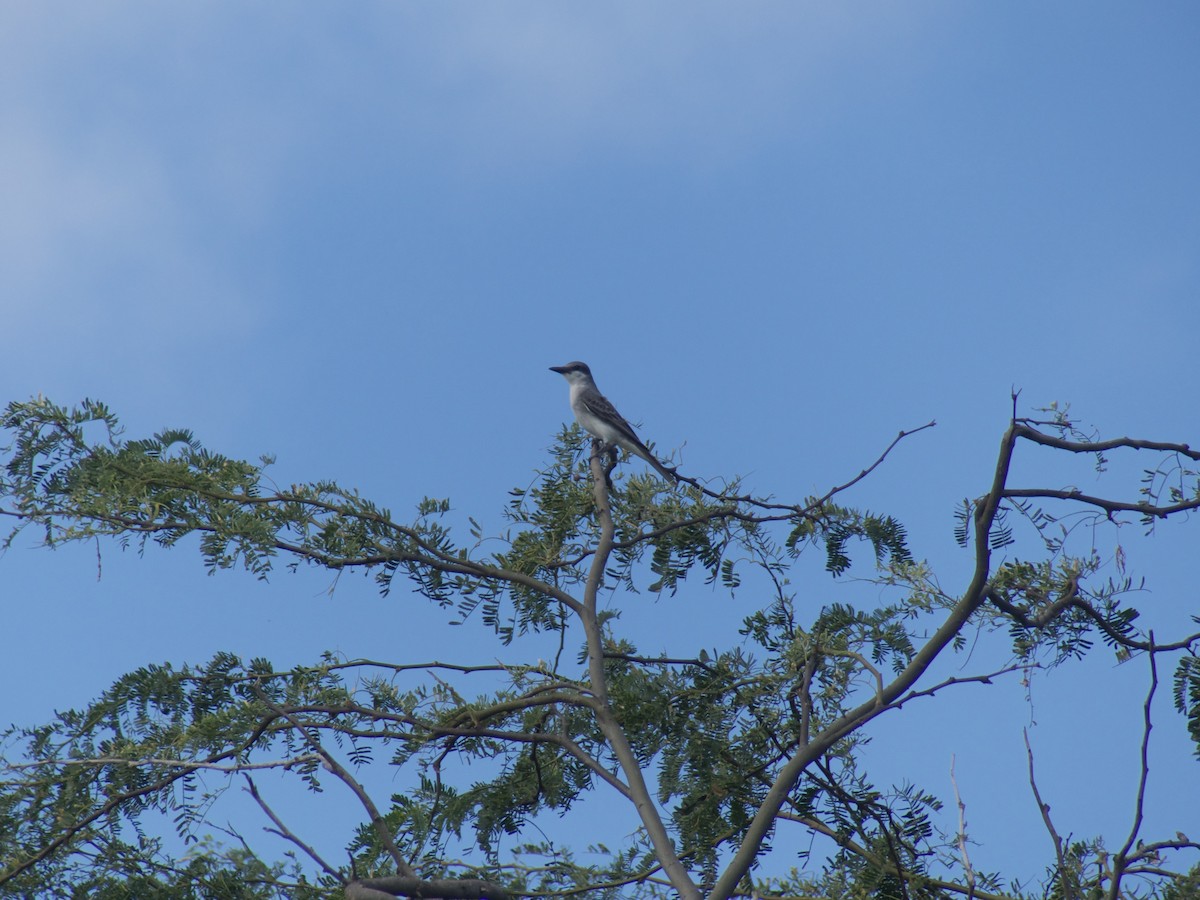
[
  {"x": 143, "y": 140},
  {"x": 116, "y": 178},
  {"x": 681, "y": 82}
]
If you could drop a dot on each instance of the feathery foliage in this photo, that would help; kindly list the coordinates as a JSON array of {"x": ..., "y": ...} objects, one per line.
[{"x": 719, "y": 759}]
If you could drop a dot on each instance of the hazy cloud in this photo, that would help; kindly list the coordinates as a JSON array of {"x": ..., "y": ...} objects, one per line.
[{"x": 143, "y": 142}]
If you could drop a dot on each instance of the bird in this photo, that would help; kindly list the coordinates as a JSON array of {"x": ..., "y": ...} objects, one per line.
[{"x": 600, "y": 418}]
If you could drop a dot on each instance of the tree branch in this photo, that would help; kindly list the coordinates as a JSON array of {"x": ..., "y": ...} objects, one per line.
[
  {"x": 1022, "y": 429},
  {"x": 790, "y": 773},
  {"x": 116, "y": 802},
  {"x": 884, "y": 865},
  {"x": 1044, "y": 809},
  {"x": 1109, "y": 506},
  {"x": 962, "y": 834},
  {"x": 286, "y": 833},
  {"x": 607, "y": 721},
  {"x": 953, "y": 680},
  {"x": 377, "y": 820},
  {"x": 1121, "y": 860},
  {"x": 1071, "y": 600}
]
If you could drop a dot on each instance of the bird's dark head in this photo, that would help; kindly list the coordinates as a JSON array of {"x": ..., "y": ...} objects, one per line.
[{"x": 573, "y": 370}]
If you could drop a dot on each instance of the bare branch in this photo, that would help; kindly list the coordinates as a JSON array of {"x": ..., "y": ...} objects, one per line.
[
  {"x": 1122, "y": 858},
  {"x": 762, "y": 504},
  {"x": 953, "y": 680},
  {"x": 1154, "y": 847},
  {"x": 790, "y": 510},
  {"x": 286, "y": 833},
  {"x": 962, "y": 834},
  {"x": 1038, "y": 437},
  {"x": 806, "y": 701},
  {"x": 1109, "y": 506},
  {"x": 1044, "y": 809},
  {"x": 871, "y": 468},
  {"x": 377, "y": 820}
]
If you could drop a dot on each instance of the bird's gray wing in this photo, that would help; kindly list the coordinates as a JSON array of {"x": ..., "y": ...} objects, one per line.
[{"x": 597, "y": 404}]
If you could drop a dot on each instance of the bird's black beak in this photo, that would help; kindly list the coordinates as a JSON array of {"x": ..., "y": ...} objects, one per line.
[{"x": 558, "y": 369}]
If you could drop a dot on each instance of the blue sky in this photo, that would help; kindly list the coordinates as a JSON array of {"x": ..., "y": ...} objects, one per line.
[{"x": 356, "y": 236}]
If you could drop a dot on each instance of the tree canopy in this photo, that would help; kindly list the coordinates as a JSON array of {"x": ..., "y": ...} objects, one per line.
[{"x": 718, "y": 761}]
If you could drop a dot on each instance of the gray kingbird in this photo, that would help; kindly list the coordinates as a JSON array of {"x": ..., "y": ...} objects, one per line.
[{"x": 600, "y": 418}]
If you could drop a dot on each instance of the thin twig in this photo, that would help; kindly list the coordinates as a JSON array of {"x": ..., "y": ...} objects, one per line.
[
  {"x": 286, "y": 833},
  {"x": 875, "y": 465},
  {"x": 1109, "y": 506},
  {"x": 806, "y": 701},
  {"x": 790, "y": 773},
  {"x": 962, "y": 834},
  {"x": 332, "y": 765},
  {"x": 953, "y": 680},
  {"x": 1122, "y": 858},
  {"x": 1044, "y": 809},
  {"x": 1038, "y": 437}
]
